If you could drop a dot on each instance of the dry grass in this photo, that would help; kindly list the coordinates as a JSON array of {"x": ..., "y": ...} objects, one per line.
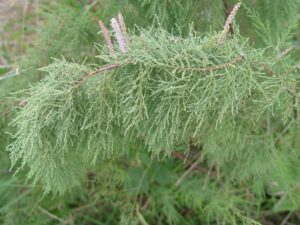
[{"x": 12, "y": 26}]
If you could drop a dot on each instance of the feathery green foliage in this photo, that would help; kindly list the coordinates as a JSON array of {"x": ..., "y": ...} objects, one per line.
[{"x": 168, "y": 91}]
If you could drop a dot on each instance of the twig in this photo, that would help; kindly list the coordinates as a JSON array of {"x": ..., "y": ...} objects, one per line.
[
  {"x": 224, "y": 65},
  {"x": 10, "y": 74},
  {"x": 227, "y": 13},
  {"x": 284, "y": 131},
  {"x": 228, "y": 23},
  {"x": 284, "y": 53},
  {"x": 186, "y": 173},
  {"x": 211, "y": 68},
  {"x": 293, "y": 92},
  {"x": 83, "y": 207},
  {"x": 293, "y": 69},
  {"x": 146, "y": 205},
  {"x": 140, "y": 216},
  {"x": 94, "y": 73},
  {"x": 6, "y": 112},
  {"x": 52, "y": 216},
  {"x": 180, "y": 156},
  {"x": 286, "y": 218},
  {"x": 114, "y": 66},
  {"x": 267, "y": 69},
  {"x": 6, "y": 66}
]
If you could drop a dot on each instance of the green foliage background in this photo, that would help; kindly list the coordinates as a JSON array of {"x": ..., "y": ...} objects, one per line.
[{"x": 116, "y": 148}]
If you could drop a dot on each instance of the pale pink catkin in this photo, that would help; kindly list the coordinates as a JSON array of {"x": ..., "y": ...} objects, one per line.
[
  {"x": 123, "y": 29},
  {"x": 107, "y": 38},
  {"x": 118, "y": 34}
]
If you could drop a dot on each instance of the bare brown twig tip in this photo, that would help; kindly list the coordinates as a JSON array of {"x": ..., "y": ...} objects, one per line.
[
  {"x": 228, "y": 22},
  {"x": 284, "y": 53}
]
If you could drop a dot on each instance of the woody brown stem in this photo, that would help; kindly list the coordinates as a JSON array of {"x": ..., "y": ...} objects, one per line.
[
  {"x": 211, "y": 68},
  {"x": 227, "y": 13},
  {"x": 181, "y": 157},
  {"x": 187, "y": 172},
  {"x": 94, "y": 73}
]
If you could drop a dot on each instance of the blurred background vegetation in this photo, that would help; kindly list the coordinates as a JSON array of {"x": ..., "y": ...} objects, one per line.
[{"x": 33, "y": 32}]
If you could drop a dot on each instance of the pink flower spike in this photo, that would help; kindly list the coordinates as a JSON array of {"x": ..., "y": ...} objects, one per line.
[
  {"x": 123, "y": 29},
  {"x": 118, "y": 34},
  {"x": 107, "y": 38}
]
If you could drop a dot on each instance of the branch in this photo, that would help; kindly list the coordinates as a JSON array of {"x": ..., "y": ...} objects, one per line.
[
  {"x": 180, "y": 156},
  {"x": 227, "y": 13},
  {"x": 293, "y": 69},
  {"x": 228, "y": 23},
  {"x": 211, "y": 68},
  {"x": 6, "y": 66},
  {"x": 140, "y": 216},
  {"x": 10, "y": 74},
  {"x": 114, "y": 66},
  {"x": 186, "y": 173},
  {"x": 52, "y": 216},
  {"x": 284, "y": 53},
  {"x": 94, "y": 73}
]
